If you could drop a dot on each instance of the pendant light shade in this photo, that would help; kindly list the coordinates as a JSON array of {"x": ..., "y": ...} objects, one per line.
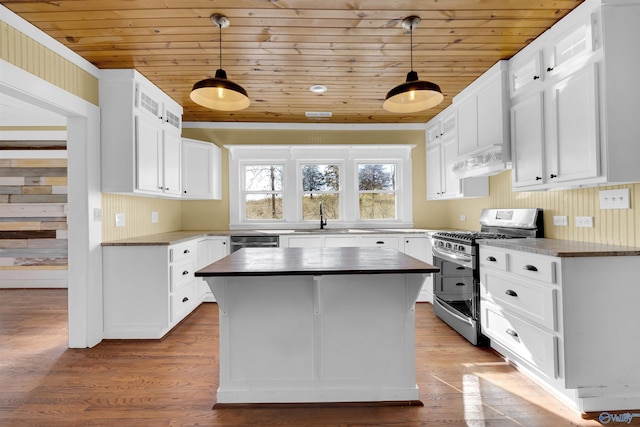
[
  {"x": 413, "y": 95},
  {"x": 219, "y": 93}
]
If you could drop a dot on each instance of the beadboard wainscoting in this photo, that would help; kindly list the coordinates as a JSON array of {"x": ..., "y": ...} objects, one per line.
[
  {"x": 137, "y": 216},
  {"x": 33, "y": 223},
  {"x": 611, "y": 226}
]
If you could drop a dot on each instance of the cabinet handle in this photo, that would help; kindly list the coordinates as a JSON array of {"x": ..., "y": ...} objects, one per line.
[
  {"x": 184, "y": 273},
  {"x": 186, "y": 251},
  {"x": 530, "y": 267},
  {"x": 160, "y": 188},
  {"x": 512, "y": 333},
  {"x": 185, "y": 191},
  {"x": 511, "y": 293},
  {"x": 536, "y": 77},
  {"x": 538, "y": 178},
  {"x": 549, "y": 69},
  {"x": 461, "y": 268},
  {"x": 553, "y": 175},
  {"x": 379, "y": 242},
  {"x": 491, "y": 258},
  {"x": 460, "y": 284},
  {"x": 185, "y": 299}
]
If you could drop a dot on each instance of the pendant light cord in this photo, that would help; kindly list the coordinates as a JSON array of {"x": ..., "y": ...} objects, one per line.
[
  {"x": 411, "y": 44},
  {"x": 220, "y": 44}
]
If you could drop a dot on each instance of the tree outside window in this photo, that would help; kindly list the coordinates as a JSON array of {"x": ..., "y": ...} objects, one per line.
[
  {"x": 320, "y": 183},
  {"x": 263, "y": 192},
  {"x": 377, "y": 191}
]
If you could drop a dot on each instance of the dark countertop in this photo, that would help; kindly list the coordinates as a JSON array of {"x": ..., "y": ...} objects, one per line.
[
  {"x": 562, "y": 248},
  {"x": 315, "y": 261},
  {"x": 174, "y": 237}
]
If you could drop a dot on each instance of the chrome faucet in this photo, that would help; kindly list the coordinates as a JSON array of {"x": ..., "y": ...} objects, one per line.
[{"x": 323, "y": 221}]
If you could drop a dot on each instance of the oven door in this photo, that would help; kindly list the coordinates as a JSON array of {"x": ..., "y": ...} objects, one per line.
[{"x": 455, "y": 285}]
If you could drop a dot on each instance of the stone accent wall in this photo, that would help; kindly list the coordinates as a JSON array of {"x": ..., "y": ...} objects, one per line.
[{"x": 33, "y": 222}]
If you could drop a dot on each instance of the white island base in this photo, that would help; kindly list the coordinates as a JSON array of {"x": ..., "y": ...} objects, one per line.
[{"x": 289, "y": 339}]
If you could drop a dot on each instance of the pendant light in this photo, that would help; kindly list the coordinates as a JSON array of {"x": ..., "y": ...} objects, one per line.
[
  {"x": 413, "y": 95},
  {"x": 218, "y": 93}
]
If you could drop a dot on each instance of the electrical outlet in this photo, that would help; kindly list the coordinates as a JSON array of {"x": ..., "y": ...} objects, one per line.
[
  {"x": 463, "y": 218},
  {"x": 154, "y": 217},
  {"x": 119, "y": 220},
  {"x": 97, "y": 214},
  {"x": 560, "y": 220},
  {"x": 615, "y": 199},
  {"x": 584, "y": 221}
]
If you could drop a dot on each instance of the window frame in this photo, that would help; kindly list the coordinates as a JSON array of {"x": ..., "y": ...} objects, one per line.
[
  {"x": 294, "y": 156},
  {"x": 398, "y": 167},
  {"x": 300, "y": 193},
  {"x": 244, "y": 192}
]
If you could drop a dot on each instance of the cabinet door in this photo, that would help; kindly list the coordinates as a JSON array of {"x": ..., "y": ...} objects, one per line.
[
  {"x": 171, "y": 164},
  {"x": 467, "y": 125},
  {"x": 491, "y": 113},
  {"x": 527, "y": 139},
  {"x": 574, "y": 152},
  {"x": 148, "y": 155},
  {"x": 434, "y": 178},
  {"x": 197, "y": 169},
  {"x": 417, "y": 247},
  {"x": 451, "y": 187},
  {"x": 526, "y": 74},
  {"x": 434, "y": 131}
]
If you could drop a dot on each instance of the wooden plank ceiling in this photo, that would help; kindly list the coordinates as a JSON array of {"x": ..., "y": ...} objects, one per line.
[{"x": 277, "y": 49}]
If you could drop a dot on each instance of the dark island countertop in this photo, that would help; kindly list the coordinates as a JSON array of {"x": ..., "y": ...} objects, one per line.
[
  {"x": 315, "y": 261},
  {"x": 562, "y": 248}
]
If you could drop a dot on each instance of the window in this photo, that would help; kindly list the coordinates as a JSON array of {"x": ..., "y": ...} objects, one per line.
[
  {"x": 281, "y": 186},
  {"x": 377, "y": 191},
  {"x": 320, "y": 184},
  {"x": 263, "y": 192}
]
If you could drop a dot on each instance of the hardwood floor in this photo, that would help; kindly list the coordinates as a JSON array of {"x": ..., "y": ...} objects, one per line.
[{"x": 173, "y": 382}]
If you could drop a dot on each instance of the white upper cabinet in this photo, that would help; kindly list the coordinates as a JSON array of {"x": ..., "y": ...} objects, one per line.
[
  {"x": 483, "y": 124},
  {"x": 201, "y": 175},
  {"x": 580, "y": 116},
  {"x": 442, "y": 153},
  {"x": 140, "y": 133}
]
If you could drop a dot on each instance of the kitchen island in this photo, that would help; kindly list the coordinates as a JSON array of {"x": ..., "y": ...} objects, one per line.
[{"x": 317, "y": 324}]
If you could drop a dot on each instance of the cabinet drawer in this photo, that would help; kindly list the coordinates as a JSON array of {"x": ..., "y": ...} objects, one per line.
[
  {"x": 182, "y": 274},
  {"x": 535, "y": 302},
  {"x": 531, "y": 344},
  {"x": 533, "y": 267},
  {"x": 182, "y": 251},
  {"x": 183, "y": 301},
  {"x": 493, "y": 258},
  {"x": 387, "y": 241}
]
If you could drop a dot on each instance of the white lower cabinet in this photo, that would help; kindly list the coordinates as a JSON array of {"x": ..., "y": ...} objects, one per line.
[
  {"x": 562, "y": 319},
  {"x": 209, "y": 249},
  {"x": 148, "y": 289}
]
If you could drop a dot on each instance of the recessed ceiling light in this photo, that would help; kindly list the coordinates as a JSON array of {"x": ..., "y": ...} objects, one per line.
[{"x": 318, "y": 88}]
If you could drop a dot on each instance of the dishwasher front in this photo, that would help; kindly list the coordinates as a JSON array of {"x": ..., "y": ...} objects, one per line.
[{"x": 239, "y": 242}]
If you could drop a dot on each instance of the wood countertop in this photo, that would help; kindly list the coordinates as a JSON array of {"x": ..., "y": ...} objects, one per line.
[
  {"x": 315, "y": 261},
  {"x": 562, "y": 248}
]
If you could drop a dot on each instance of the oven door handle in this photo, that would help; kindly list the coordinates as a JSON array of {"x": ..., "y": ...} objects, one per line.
[
  {"x": 452, "y": 255},
  {"x": 453, "y": 313}
]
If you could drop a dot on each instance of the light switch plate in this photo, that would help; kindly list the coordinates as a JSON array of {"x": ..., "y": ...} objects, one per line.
[
  {"x": 584, "y": 221},
  {"x": 154, "y": 217},
  {"x": 560, "y": 220},
  {"x": 119, "y": 220},
  {"x": 463, "y": 218},
  {"x": 615, "y": 199}
]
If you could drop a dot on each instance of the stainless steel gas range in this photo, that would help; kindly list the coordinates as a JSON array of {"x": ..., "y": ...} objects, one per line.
[{"x": 456, "y": 288}]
